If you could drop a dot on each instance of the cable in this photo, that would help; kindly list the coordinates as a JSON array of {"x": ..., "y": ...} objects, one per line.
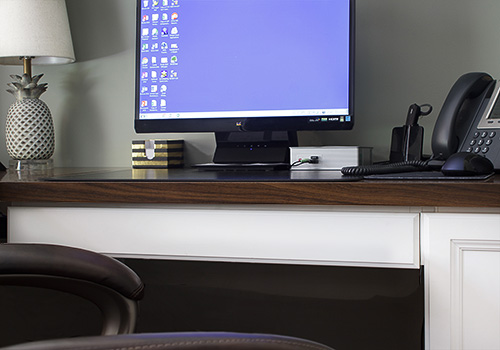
[
  {"x": 310, "y": 160},
  {"x": 386, "y": 168}
]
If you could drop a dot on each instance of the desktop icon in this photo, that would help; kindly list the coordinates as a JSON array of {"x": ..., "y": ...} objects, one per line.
[
  {"x": 174, "y": 46},
  {"x": 154, "y": 75},
  {"x": 145, "y": 31},
  {"x": 145, "y": 18},
  {"x": 155, "y": 17},
  {"x": 156, "y": 2},
  {"x": 145, "y": 60},
  {"x": 163, "y": 88},
  {"x": 173, "y": 59},
  {"x": 164, "y": 74},
  {"x": 174, "y": 31},
  {"x": 164, "y": 46},
  {"x": 155, "y": 32},
  {"x": 145, "y": 3},
  {"x": 164, "y": 31},
  {"x": 174, "y": 16},
  {"x": 144, "y": 103}
]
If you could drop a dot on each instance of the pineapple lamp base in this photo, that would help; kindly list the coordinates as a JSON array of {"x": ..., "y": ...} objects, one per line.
[{"x": 31, "y": 165}]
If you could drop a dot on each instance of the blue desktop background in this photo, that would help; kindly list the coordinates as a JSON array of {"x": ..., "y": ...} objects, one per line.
[{"x": 245, "y": 55}]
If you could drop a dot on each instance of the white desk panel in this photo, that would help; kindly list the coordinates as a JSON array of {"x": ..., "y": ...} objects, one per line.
[{"x": 220, "y": 233}]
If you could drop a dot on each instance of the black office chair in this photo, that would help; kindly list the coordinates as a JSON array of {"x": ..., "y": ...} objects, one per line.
[
  {"x": 176, "y": 341},
  {"x": 116, "y": 290},
  {"x": 113, "y": 287}
]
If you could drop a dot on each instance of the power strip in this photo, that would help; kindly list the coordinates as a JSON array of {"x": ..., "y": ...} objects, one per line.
[{"x": 329, "y": 157}]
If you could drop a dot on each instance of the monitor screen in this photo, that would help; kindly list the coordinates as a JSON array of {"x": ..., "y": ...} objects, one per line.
[{"x": 244, "y": 65}]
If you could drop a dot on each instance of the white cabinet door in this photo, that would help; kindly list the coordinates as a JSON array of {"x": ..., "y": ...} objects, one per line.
[{"x": 461, "y": 257}]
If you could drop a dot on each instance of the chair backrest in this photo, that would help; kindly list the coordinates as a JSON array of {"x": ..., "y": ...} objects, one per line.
[
  {"x": 113, "y": 287},
  {"x": 177, "y": 341}
]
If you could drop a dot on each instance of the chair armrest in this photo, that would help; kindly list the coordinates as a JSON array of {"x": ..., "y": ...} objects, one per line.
[{"x": 61, "y": 261}]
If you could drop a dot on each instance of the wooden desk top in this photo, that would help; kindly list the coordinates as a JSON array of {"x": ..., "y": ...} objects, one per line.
[{"x": 33, "y": 188}]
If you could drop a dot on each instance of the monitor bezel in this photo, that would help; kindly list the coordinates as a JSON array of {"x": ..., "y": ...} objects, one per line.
[{"x": 250, "y": 124}]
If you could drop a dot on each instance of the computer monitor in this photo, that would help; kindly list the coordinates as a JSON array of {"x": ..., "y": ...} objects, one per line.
[{"x": 254, "y": 72}]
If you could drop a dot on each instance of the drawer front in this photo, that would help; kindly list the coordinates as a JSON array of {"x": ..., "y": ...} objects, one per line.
[{"x": 322, "y": 237}]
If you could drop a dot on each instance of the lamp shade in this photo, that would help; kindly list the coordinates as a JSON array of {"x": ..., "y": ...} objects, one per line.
[{"x": 35, "y": 28}]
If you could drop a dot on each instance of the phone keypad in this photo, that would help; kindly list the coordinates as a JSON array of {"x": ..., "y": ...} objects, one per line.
[{"x": 481, "y": 142}]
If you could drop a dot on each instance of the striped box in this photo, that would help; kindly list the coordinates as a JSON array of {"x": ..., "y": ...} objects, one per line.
[{"x": 157, "y": 154}]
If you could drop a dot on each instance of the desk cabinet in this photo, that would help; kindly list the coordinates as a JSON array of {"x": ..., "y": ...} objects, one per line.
[
  {"x": 461, "y": 254},
  {"x": 388, "y": 224}
]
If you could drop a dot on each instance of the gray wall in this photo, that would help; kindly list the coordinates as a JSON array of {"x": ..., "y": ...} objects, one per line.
[{"x": 407, "y": 52}]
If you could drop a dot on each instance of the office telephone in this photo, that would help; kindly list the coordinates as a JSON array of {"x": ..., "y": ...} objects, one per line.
[{"x": 469, "y": 121}]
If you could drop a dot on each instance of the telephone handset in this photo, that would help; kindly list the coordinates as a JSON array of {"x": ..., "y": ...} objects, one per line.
[
  {"x": 483, "y": 133},
  {"x": 460, "y": 114},
  {"x": 469, "y": 121}
]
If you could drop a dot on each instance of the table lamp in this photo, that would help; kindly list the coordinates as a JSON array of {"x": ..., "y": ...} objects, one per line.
[{"x": 32, "y": 32}]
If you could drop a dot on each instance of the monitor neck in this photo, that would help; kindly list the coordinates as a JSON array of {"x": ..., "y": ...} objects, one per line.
[{"x": 254, "y": 147}]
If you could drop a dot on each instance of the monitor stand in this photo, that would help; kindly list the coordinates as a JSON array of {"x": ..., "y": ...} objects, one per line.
[{"x": 255, "y": 150}]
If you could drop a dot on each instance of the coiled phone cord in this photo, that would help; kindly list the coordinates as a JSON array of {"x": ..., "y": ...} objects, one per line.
[{"x": 386, "y": 168}]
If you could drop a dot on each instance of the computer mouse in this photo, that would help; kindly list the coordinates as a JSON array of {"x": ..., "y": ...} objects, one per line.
[{"x": 467, "y": 164}]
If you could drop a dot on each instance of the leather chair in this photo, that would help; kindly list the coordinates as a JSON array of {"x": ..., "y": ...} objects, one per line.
[
  {"x": 116, "y": 290},
  {"x": 113, "y": 287},
  {"x": 176, "y": 341}
]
